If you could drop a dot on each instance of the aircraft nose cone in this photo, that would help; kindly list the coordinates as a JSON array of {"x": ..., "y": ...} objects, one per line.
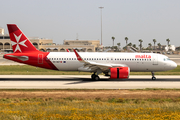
[{"x": 174, "y": 65}]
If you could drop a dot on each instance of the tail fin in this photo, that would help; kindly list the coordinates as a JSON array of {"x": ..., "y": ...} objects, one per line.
[
  {"x": 20, "y": 43},
  {"x": 67, "y": 50}
]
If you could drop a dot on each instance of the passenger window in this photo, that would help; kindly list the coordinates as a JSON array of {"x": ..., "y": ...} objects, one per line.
[
  {"x": 69, "y": 58},
  {"x": 132, "y": 59},
  {"x": 99, "y": 58},
  {"x": 74, "y": 58},
  {"x": 107, "y": 59},
  {"x": 104, "y": 58},
  {"x": 124, "y": 59},
  {"x": 52, "y": 58},
  {"x": 89, "y": 58},
  {"x": 64, "y": 58},
  {"x": 84, "y": 58},
  {"x": 127, "y": 59}
]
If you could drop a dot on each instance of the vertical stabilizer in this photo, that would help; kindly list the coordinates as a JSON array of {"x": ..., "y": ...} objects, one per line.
[{"x": 20, "y": 43}]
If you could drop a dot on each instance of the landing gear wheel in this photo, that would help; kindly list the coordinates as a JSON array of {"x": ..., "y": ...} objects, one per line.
[
  {"x": 153, "y": 78},
  {"x": 96, "y": 77}
]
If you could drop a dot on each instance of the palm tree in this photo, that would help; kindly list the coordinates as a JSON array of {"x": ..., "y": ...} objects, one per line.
[
  {"x": 140, "y": 45},
  {"x": 113, "y": 41},
  {"x": 150, "y": 46},
  {"x": 134, "y": 45},
  {"x": 154, "y": 40},
  {"x": 126, "y": 39},
  {"x": 119, "y": 44},
  {"x": 168, "y": 41},
  {"x": 159, "y": 45},
  {"x": 130, "y": 44}
]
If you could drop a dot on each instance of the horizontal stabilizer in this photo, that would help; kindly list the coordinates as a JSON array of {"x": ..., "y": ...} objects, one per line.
[{"x": 22, "y": 58}]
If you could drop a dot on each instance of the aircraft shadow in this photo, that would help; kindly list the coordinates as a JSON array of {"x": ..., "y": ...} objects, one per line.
[{"x": 84, "y": 80}]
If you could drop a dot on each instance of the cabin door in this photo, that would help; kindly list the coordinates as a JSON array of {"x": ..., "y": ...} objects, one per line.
[
  {"x": 40, "y": 58},
  {"x": 155, "y": 60}
]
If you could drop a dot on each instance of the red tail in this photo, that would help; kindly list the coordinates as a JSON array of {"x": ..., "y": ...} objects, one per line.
[{"x": 20, "y": 42}]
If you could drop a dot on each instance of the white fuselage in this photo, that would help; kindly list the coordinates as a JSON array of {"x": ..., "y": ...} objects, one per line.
[{"x": 145, "y": 62}]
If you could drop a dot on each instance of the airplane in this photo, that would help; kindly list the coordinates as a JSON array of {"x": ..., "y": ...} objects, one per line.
[{"x": 115, "y": 65}]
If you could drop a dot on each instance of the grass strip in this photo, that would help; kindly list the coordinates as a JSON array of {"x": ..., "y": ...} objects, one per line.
[{"x": 74, "y": 109}]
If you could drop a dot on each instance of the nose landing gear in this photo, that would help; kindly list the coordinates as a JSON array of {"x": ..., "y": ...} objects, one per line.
[{"x": 153, "y": 77}]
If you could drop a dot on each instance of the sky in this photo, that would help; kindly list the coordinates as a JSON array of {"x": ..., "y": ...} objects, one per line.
[{"x": 71, "y": 19}]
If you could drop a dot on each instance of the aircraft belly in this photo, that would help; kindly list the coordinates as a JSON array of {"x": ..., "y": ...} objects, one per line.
[
  {"x": 68, "y": 66},
  {"x": 141, "y": 67}
]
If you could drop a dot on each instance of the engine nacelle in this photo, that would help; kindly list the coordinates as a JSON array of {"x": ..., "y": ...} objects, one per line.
[{"x": 119, "y": 73}]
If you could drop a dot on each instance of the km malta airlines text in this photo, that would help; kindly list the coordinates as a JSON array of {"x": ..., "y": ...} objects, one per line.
[{"x": 115, "y": 65}]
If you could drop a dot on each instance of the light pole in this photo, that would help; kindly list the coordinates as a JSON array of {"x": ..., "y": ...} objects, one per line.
[{"x": 101, "y": 23}]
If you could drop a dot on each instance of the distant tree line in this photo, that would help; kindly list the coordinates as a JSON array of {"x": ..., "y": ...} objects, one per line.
[{"x": 140, "y": 45}]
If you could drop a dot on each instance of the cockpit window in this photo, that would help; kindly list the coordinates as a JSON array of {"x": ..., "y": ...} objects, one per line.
[{"x": 165, "y": 59}]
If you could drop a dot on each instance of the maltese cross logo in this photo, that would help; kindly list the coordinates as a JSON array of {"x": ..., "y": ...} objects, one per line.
[{"x": 17, "y": 43}]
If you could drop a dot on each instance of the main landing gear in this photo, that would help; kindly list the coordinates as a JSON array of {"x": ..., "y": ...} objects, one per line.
[
  {"x": 153, "y": 77},
  {"x": 95, "y": 77}
]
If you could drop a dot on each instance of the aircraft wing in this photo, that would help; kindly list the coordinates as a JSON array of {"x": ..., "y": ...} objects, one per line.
[{"x": 94, "y": 66}]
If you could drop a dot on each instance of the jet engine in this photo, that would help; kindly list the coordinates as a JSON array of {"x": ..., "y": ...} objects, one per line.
[{"x": 119, "y": 73}]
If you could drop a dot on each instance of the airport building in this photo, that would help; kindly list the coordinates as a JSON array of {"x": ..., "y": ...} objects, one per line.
[{"x": 48, "y": 45}]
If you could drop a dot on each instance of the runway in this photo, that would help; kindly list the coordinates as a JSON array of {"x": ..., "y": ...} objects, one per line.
[{"x": 84, "y": 82}]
